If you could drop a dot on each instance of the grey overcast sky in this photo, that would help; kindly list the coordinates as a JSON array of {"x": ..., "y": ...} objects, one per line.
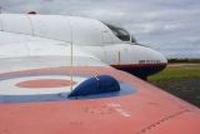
[{"x": 170, "y": 26}]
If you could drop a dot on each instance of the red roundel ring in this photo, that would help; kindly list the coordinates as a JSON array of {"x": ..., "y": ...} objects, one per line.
[{"x": 45, "y": 83}]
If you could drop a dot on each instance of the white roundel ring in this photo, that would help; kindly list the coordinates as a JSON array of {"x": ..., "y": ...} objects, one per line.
[{"x": 35, "y": 85}]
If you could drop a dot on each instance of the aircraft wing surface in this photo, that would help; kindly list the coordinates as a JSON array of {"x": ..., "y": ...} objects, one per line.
[{"x": 38, "y": 74}]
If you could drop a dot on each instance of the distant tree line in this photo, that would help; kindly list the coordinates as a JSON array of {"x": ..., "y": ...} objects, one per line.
[{"x": 184, "y": 60}]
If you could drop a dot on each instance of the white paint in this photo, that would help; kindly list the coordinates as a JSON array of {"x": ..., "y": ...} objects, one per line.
[
  {"x": 129, "y": 54},
  {"x": 85, "y": 31},
  {"x": 1, "y": 24},
  {"x": 16, "y": 24},
  {"x": 50, "y": 35},
  {"x": 7, "y": 87},
  {"x": 118, "y": 108},
  {"x": 54, "y": 28}
]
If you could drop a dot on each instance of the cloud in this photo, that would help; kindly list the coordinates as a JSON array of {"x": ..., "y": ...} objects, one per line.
[{"x": 171, "y": 26}]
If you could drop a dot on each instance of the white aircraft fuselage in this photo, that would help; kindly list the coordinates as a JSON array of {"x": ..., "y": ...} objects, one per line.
[{"x": 112, "y": 45}]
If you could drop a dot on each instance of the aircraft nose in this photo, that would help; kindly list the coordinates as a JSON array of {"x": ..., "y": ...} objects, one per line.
[
  {"x": 162, "y": 61},
  {"x": 159, "y": 61}
]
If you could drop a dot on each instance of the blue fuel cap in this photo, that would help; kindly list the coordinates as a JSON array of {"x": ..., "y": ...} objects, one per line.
[{"x": 96, "y": 85}]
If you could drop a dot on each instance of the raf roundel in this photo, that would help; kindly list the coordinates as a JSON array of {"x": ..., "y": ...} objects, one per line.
[{"x": 56, "y": 85}]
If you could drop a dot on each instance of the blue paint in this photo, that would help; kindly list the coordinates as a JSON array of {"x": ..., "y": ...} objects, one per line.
[
  {"x": 126, "y": 89},
  {"x": 96, "y": 85}
]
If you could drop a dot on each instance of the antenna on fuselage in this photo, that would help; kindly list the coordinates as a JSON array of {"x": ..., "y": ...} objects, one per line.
[
  {"x": 130, "y": 37},
  {"x": 71, "y": 57}
]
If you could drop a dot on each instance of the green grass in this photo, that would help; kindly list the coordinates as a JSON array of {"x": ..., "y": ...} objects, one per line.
[
  {"x": 176, "y": 73},
  {"x": 183, "y": 82}
]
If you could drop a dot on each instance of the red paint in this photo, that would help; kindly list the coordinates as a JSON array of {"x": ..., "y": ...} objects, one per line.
[
  {"x": 150, "y": 110},
  {"x": 44, "y": 83}
]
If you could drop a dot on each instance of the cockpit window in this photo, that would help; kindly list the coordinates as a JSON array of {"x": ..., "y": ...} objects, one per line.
[{"x": 121, "y": 33}]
